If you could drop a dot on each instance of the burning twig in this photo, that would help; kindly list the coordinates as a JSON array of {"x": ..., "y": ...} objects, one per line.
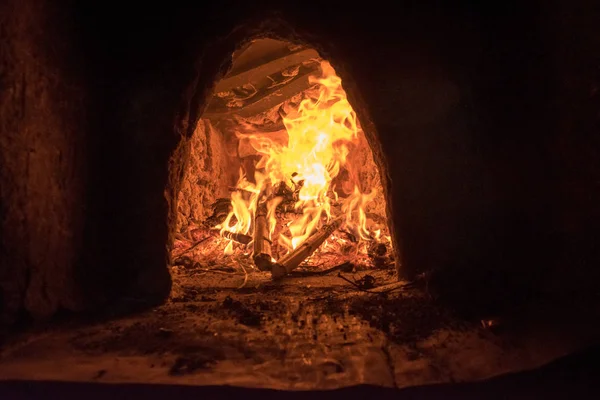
[
  {"x": 262, "y": 245},
  {"x": 237, "y": 237},
  {"x": 194, "y": 246},
  {"x": 290, "y": 261}
]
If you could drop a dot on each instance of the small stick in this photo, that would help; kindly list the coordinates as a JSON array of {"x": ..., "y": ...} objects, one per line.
[
  {"x": 262, "y": 245},
  {"x": 237, "y": 237},
  {"x": 292, "y": 260},
  {"x": 194, "y": 246}
]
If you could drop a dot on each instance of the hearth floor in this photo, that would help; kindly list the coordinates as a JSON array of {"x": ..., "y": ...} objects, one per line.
[{"x": 301, "y": 333}]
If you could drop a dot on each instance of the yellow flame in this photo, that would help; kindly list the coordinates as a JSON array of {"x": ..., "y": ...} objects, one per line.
[
  {"x": 243, "y": 210},
  {"x": 319, "y": 133},
  {"x": 354, "y": 208}
]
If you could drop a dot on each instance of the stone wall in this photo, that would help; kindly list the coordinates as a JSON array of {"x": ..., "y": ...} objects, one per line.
[
  {"x": 205, "y": 176},
  {"x": 481, "y": 117},
  {"x": 42, "y": 163}
]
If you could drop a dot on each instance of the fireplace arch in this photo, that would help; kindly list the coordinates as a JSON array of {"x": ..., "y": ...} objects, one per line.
[
  {"x": 221, "y": 143},
  {"x": 467, "y": 178}
]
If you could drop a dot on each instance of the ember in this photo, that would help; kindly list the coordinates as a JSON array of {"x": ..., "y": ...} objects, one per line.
[{"x": 308, "y": 193}]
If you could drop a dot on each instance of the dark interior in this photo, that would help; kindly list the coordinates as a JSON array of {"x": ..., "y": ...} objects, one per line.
[{"x": 483, "y": 120}]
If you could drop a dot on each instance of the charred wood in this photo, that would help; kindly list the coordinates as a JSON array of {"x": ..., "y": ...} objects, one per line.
[
  {"x": 292, "y": 260},
  {"x": 237, "y": 237},
  {"x": 194, "y": 246},
  {"x": 262, "y": 244},
  {"x": 264, "y": 100},
  {"x": 265, "y": 69},
  {"x": 288, "y": 208}
]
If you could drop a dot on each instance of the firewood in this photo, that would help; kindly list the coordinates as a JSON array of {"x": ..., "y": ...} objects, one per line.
[
  {"x": 284, "y": 191},
  {"x": 265, "y": 69},
  {"x": 194, "y": 246},
  {"x": 262, "y": 244},
  {"x": 290, "y": 261},
  {"x": 263, "y": 100},
  {"x": 237, "y": 237}
]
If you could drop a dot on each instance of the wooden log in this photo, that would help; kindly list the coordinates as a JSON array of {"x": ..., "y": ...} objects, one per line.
[
  {"x": 269, "y": 68},
  {"x": 262, "y": 244},
  {"x": 288, "y": 209},
  {"x": 290, "y": 261},
  {"x": 265, "y": 100},
  {"x": 237, "y": 237}
]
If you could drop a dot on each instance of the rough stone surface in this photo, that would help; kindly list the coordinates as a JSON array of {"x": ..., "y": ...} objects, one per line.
[
  {"x": 312, "y": 333},
  {"x": 484, "y": 122},
  {"x": 363, "y": 170},
  {"x": 42, "y": 156},
  {"x": 205, "y": 176}
]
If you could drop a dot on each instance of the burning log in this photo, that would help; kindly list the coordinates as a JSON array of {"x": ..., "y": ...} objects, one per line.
[
  {"x": 262, "y": 245},
  {"x": 265, "y": 98},
  {"x": 290, "y": 261},
  {"x": 288, "y": 208},
  {"x": 266, "y": 69},
  {"x": 237, "y": 237}
]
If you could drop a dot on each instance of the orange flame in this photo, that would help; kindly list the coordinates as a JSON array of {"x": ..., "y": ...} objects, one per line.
[{"x": 319, "y": 133}]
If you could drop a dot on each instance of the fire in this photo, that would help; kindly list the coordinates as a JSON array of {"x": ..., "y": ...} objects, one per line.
[
  {"x": 320, "y": 133},
  {"x": 243, "y": 210}
]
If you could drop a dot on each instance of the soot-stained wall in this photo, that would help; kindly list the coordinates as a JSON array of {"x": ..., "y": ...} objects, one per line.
[
  {"x": 483, "y": 117},
  {"x": 42, "y": 162}
]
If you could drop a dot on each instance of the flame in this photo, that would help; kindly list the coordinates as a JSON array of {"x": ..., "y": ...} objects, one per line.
[
  {"x": 354, "y": 208},
  {"x": 243, "y": 210},
  {"x": 320, "y": 131}
]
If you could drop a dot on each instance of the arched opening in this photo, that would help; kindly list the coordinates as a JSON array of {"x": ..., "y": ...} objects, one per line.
[
  {"x": 96, "y": 110},
  {"x": 279, "y": 178}
]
